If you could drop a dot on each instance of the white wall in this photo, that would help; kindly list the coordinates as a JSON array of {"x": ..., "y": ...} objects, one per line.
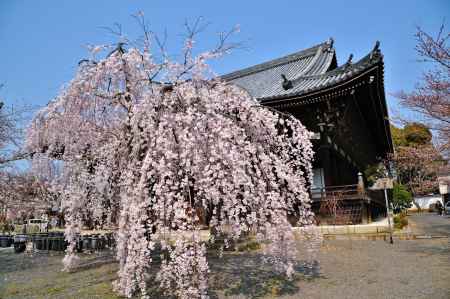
[{"x": 425, "y": 201}]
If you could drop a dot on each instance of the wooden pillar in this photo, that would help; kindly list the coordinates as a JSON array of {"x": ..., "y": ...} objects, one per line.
[
  {"x": 369, "y": 214},
  {"x": 361, "y": 188},
  {"x": 325, "y": 159},
  {"x": 335, "y": 169},
  {"x": 365, "y": 209},
  {"x": 364, "y": 216}
]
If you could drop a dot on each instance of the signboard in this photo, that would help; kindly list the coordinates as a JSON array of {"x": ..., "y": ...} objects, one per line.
[
  {"x": 384, "y": 183},
  {"x": 444, "y": 182},
  {"x": 443, "y": 188},
  {"x": 316, "y": 136}
]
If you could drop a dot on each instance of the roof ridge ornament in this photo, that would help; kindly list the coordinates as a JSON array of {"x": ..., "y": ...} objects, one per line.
[
  {"x": 287, "y": 84},
  {"x": 375, "y": 53},
  {"x": 349, "y": 61},
  {"x": 329, "y": 43},
  {"x": 376, "y": 48}
]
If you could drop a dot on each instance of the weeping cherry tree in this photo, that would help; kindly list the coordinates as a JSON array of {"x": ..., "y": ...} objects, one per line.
[{"x": 148, "y": 145}]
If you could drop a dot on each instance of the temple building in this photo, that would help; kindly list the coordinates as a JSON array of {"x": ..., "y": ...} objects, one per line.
[{"x": 345, "y": 106}]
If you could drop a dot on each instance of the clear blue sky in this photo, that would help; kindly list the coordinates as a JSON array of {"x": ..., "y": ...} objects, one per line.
[{"x": 42, "y": 41}]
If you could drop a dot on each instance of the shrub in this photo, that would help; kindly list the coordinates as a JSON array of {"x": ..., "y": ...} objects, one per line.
[
  {"x": 402, "y": 198},
  {"x": 6, "y": 227},
  {"x": 400, "y": 221}
]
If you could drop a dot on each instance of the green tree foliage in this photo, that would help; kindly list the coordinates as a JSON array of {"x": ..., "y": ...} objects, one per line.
[
  {"x": 417, "y": 134},
  {"x": 398, "y": 136},
  {"x": 402, "y": 198},
  {"x": 412, "y": 134},
  {"x": 374, "y": 172}
]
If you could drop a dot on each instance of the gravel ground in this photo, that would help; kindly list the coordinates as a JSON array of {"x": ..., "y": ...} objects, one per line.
[
  {"x": 377, "y": 269},
  {"x": 348, "y": 269},
  {"x": 430, "y": 224}
]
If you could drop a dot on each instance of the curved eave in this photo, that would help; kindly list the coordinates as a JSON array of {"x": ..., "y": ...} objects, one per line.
[
  {"x": 307, "y": 85},
  {"x": 382, "y": 98},
  {"x": 372, "y": 75},
  {"x": 318, "y": 93}
]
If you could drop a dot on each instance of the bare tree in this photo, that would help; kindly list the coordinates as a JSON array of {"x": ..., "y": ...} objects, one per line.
[
  {"x": 431, "y": 97},
  {"x": 11, "y": 132},
  {"x": 23, "y": 195}
]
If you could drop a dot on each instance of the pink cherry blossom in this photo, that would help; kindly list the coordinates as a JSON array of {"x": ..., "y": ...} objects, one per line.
[{"x": 147, "y": 157}]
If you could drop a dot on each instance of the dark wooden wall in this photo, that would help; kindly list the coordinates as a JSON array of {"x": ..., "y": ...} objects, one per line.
[{"x": 353, "y": 133}]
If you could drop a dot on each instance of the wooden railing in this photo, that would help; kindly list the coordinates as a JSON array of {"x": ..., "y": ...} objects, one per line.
[
  {"x": 339, "y": 204},
  {"x": 344, "y": 192},
  {"x": 342, "y": 204}
]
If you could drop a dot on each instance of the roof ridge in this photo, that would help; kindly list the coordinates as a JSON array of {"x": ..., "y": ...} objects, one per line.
[
  {"x": 365, "y": 61},
  {"x": 312, "y": 51},
  {"x": 312, "y": 63}
]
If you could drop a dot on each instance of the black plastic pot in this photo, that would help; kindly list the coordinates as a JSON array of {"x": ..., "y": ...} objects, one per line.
[
  {"x": 110, "y": 241},
  {"x": 20, "y": 247},
  {"x": 54, "y": 243},
  {"x": 46, "y": 243},
  {"x": 97, "y": 242},
  {"x": 107, "y": 241},
  {"x": 51, "y": 241},
  {"x": 58, "y": 244},
  {"x": 79, "y": 246},
  {"x": 20, "y": 243},
  {"x": 6, "y": 241},
  {"x": 102, "y": 242},
  {"x": 87, "y": 243},
  {"x": 40, "y": 241},
  {"x": 43, "y": 243},
  {"x": 94, "y": 242}
]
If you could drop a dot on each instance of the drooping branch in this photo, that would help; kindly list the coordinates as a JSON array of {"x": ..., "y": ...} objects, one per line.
[{"x": 158, "y": 154}]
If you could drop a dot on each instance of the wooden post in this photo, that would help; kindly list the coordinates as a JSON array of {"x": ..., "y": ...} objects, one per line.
[
  {"x": 325, "y": 158},
  {"x": 361, "y": 188},
  {"x": 388, "y": 216},
  {"x": 366, "y": 218}
]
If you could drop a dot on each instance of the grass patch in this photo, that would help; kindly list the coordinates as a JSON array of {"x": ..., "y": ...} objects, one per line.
[{"x": 249, "y": 246}]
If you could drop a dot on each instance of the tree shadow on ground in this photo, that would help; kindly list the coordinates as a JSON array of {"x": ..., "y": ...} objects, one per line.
[
  {"x": 236, "y": 274},
  {"x": 245, "y": 274}
]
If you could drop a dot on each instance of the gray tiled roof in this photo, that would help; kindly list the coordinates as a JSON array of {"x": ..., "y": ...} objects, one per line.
[{"x": 308, "y": 70}]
